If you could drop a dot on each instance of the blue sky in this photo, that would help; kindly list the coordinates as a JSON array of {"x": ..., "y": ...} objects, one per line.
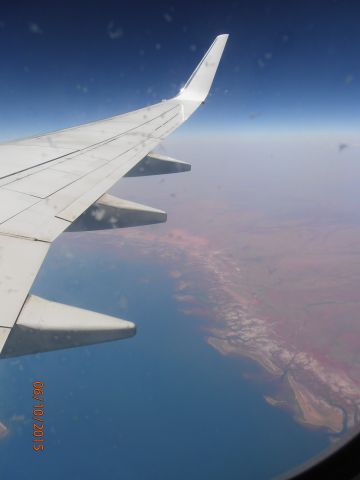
[{"x": 288, "y": 64}]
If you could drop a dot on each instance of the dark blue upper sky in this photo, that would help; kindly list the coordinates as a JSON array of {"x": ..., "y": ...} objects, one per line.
[{"x": 288, "y": 64}]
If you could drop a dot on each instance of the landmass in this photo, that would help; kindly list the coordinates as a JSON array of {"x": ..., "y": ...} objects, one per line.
[
  {"x": 284, "y": 295},
  {"x": 3, "y": 431},
  {"x": 291, "y": 310}
]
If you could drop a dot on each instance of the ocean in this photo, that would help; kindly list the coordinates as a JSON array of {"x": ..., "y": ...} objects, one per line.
[{"x": 161, "y": 405}]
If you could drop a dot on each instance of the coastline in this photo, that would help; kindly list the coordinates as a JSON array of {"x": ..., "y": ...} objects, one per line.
[{"x": 318, "y": 393}]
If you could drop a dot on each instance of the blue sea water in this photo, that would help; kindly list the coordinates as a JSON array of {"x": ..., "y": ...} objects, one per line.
[{"x": 162, "y": 405}]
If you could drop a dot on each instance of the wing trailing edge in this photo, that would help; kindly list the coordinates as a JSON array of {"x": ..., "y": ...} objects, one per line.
[
  {"x": 112, "y": 212},
  {"x": 44, "y": 326},
  {"x": 157, "y": 164}
]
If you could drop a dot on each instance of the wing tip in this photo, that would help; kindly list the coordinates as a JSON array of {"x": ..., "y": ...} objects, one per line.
[
  {"x": 222, "y": 35},
  {"x": 199, "y": 83}
]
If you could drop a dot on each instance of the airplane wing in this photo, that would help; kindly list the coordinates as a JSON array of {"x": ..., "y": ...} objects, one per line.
[{"x": 57, "y": 182}]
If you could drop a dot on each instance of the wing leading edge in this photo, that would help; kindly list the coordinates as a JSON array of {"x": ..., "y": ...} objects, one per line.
[{"x": 47, "y": 182}]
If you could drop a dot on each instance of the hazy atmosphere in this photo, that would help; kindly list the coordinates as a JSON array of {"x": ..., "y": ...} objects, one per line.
[{"x": 288, "y": 65}]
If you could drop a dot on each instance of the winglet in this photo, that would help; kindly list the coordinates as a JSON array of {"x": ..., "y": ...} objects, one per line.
[{"x": 198, "y": 85}]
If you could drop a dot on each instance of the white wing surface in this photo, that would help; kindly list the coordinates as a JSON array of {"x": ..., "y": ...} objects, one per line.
[{"x": 58, "y": 181}]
